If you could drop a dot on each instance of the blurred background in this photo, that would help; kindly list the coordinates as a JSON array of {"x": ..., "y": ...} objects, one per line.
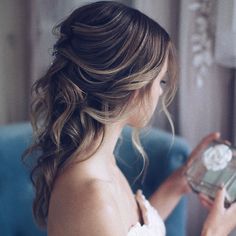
[{"x": 204, "y": 32}]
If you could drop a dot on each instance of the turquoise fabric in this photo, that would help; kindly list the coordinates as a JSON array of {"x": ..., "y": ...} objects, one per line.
[{"x": 16, "y": 191}]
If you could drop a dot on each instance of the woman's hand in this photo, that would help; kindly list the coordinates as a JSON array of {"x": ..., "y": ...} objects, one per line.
[
  {"x": 167, "y": 196},
  {"x": 178, "y": 177},
  {"x": 205, "y": 201},
  {"x": 201, "y": 146},
  {"x": 220, "y": 221}
]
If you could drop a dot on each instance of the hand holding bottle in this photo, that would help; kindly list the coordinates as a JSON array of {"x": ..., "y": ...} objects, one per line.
[{"x": 220, "y": 221}]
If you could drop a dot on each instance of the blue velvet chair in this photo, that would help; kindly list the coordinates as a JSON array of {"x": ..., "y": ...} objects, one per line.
[{"x": 16, "y": 191}]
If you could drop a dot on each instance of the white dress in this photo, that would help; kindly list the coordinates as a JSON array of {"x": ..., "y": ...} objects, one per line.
[{"x": 153, "y": 224}]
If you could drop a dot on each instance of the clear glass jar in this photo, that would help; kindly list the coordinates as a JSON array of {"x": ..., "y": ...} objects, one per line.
[{"x": 216, "y": 166}]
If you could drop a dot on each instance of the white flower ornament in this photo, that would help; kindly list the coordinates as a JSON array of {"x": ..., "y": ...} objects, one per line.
[{"x": 217, "y": 157}]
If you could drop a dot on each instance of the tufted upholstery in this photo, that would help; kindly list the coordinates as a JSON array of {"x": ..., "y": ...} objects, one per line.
[{"x": 16, "y": 192}]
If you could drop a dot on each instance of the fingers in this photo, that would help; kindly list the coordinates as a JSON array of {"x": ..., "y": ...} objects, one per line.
[
  {"x": 206, "y": 204},
  {"x": 220, "y": 198},
  {"x": 140, "y": 199},
  {"x": 210, "y": 137},
  {"x": 227, "y": 142},
  {"x": 231, "y": 212},
  {"x": 205, "y": 201},
  {"x": 207, "y": 139},
  {"x": 233, "y": 207}
]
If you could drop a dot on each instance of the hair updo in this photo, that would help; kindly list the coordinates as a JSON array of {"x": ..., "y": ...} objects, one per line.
[{"x": 105, "y": 54}]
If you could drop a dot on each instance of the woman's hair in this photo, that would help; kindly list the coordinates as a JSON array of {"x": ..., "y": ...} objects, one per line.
[{"x": 106, "y": 54}]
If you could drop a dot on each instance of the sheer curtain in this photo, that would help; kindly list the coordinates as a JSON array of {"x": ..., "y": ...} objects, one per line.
[
  {"x": 14, "y": 58},
  {"x": 207, "y": 94},
  {"x": 234, "y": 110},
  {"x": 207, "y": 90}
]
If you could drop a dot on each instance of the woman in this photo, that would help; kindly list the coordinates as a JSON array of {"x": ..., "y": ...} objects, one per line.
[{"x": 109, "y": 69}]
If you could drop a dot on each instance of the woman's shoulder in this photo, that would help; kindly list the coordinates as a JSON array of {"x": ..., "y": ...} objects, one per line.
[
  {"x": 83, "y": 205},
  {"x": 81, "y": 179},
  {"x": 86, "y": 190},
  {"x": 81, "y": 185}
]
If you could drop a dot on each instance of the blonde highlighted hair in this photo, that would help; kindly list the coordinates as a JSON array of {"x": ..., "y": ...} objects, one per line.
[{"x": 105, "y": 53}]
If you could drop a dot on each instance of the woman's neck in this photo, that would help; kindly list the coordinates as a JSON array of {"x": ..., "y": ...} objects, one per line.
[{"x": 105, "y": 151}]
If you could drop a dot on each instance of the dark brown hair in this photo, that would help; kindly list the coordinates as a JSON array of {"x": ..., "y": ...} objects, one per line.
[{"x": 105, "y": 53}]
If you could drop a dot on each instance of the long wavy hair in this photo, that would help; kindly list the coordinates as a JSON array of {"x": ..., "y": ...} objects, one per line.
[{"x": 105, "y": 54}]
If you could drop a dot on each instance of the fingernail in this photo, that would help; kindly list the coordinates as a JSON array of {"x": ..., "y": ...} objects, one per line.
[
  {"x": 139, "y": 191},
  {"x": 228, "y": 142},
  {"x": 222, "y": 186}
]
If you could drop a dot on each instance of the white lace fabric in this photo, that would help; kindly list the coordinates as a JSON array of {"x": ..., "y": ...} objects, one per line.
[{"x": 153, "y": 224}]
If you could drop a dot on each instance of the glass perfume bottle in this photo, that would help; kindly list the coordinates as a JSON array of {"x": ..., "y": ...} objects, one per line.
[{"x": 216, "y": 166}]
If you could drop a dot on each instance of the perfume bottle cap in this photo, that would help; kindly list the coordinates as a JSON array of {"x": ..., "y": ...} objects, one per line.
[
  {"x": 216, "y": 165},
  {"x": 217, "y": 157}
]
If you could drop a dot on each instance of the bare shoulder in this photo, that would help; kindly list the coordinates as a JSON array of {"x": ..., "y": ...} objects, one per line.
[{"x": 88, "y": 208}]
